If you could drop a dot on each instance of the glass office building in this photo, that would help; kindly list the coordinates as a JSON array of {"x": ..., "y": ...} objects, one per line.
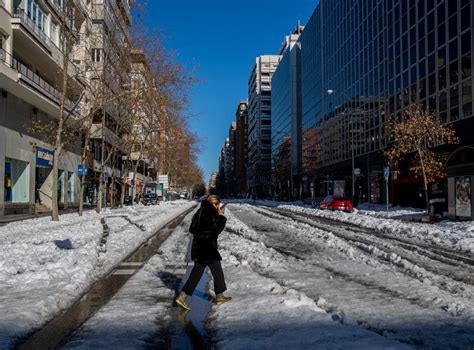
[
  {"x": 286, "y": 119},
  {"x": 362, "y": 63}
]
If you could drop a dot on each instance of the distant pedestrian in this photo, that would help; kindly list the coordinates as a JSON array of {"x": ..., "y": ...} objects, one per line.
[{"x": 207, "y": 223}]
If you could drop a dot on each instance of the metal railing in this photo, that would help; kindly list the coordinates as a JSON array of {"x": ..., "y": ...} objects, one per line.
[
  {"x": 33, "y": 79},
  {"x": 31, "y": 25}
]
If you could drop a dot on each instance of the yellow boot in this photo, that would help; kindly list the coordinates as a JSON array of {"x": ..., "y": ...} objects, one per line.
[
  {"x": 221, "y": 299},
  {"x": 181, "y": 301}
]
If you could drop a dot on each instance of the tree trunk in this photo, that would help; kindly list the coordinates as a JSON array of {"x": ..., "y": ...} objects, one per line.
[
  {"x": 83, "y": 162},
  {"x": 425, "y": 181},
  {"x": 59, "y": 132}
]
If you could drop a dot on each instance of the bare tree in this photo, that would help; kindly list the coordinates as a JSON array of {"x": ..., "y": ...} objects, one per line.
[{"x": 417, "y": 134}]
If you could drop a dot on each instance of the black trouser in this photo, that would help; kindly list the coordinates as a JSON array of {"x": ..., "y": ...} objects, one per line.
[{"x": 196, "y": 274}]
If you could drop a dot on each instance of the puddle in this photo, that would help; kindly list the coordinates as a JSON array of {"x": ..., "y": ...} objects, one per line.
[
  {"x": 54, "y": 333},
  {"x": 186, "y": 329}
]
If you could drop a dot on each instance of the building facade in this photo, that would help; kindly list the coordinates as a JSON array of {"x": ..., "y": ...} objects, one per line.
[
  {"x": 241, "y": 117},
  {"x": 362, "y": 64},
  {"x": 259, "y": 125},
  {"x": 286, "y": 119},
  {"x": 32, "y": 61},
  {"x": 31, "y": 71}
]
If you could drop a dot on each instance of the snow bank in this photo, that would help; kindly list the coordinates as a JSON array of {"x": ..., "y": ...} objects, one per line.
[
  {"x": 45, "y": 266},
  {"x": 447, "y": 234}
]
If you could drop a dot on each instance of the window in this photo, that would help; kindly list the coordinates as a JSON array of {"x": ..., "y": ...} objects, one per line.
[
  {"x": 17, "y": 180},
  {"x": 98, "y": 55},
  {"x": 36, "y": 14},
  {"x": 55, "y": 33}
]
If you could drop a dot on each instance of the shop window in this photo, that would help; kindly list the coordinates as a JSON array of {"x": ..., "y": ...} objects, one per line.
[
  {"x": 453, "y": 27},
  {"x": 70, "y": 187},
  {"x": 60, "y": 186},
  {"x": 17, "y": 180}
]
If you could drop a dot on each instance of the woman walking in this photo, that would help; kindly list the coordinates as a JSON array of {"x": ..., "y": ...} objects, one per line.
[{"x": 206, "y": 225}]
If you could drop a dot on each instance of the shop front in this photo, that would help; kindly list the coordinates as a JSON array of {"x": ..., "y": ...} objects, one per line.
[{"x": 460, "y": 166}]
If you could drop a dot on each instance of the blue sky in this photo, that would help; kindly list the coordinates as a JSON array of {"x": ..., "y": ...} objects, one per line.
[{"x": 219, "y": 40}]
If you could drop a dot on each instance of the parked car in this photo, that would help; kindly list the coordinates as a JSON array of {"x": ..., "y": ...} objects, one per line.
[
  {"x": 150, "y": 199},
  {"x": 127, "y": 200},
  {"x": 336, "y": 203}
]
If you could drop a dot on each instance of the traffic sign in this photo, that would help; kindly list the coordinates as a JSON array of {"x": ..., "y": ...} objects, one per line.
[{"x": 386, "y": 172}]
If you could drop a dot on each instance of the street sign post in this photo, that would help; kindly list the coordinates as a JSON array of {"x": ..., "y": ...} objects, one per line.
[{"x": 386, "y": 173}]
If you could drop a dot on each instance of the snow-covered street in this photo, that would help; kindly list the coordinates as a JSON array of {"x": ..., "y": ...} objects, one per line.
[{"x": 298, "y": 281}]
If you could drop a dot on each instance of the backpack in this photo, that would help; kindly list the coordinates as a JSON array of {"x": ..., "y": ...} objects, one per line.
[{"x": 195, "y": 222}]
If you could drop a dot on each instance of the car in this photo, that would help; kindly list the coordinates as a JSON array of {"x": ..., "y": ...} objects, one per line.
[
  {"x": 150, "y": 199},
  {"x": 336, "y": 203}
]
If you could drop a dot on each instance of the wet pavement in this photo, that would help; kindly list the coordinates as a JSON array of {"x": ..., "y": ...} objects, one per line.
[
  {"x": 186, "y": 330},
  {"x": 55, "y": 333}
]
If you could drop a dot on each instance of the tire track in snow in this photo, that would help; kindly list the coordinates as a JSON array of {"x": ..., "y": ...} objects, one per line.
[{"x": 437, "y": 308}]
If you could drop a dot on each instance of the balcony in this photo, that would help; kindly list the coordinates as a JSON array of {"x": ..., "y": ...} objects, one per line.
[
  {"x": 35, "y": 82},
  {"x": 21, "y": 17},
  {"x": 98, "y": 131}
]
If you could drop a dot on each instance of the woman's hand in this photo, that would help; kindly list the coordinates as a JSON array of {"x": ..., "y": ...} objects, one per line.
[{"x": 222, "y": 209}]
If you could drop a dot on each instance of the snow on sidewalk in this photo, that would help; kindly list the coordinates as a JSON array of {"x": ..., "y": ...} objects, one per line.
[
  {"x": 447, "y": 234},
  {"x": 45, "y": 266}
]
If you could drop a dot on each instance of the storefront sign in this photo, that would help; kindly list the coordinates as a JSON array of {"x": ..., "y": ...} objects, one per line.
[
  {"x": 44, "y": 157},
  {"x": 79, "y": 170},
  {"x": 463, "y": 196}
]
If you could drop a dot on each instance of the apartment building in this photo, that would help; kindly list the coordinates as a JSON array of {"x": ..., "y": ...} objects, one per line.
[
  {"x": 259, "y": 125},
  {"x": 32, "y": 60},
  {"x": 31, "y": 71},
  {"x": 109, "y": 55}
]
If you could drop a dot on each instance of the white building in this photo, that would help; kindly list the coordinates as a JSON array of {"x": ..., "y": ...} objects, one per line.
[
  {"x": 31, "y": 64},
  {"x": 259, "y": 124},
  {"x": 31, "y": 71}
]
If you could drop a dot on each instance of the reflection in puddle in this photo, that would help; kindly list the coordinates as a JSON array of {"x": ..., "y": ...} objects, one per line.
[{"x": 186, "y": 328}]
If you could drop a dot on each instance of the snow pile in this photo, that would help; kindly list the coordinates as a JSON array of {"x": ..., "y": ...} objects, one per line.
[
  {"x": 45, "y": 266},
  {"x": 447, "y": 234}
]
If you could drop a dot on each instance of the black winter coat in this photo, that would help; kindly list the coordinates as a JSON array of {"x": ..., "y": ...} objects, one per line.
[{"x": 210, "y": 224}]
